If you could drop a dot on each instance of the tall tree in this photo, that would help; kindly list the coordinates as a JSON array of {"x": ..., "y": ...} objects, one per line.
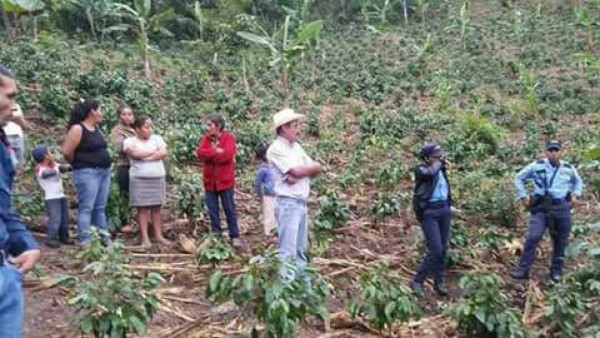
[{"x": 144, "y": 23}]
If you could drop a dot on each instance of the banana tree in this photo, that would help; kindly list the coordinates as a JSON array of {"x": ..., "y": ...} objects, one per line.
[
  {"x": 19, "y": 7},
  {"x": 587, "y": 16},
  {"x": 286, "y": 52},
  {"x": 144, "y": 23}
]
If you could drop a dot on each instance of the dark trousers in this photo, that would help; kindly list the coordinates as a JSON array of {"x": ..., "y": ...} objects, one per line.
[
  {"x": 58, "y": 219},
  {"x": 123, "y": 180},
  {"x": 436, "y": 228},
  {"x": 212, "y": 203},
  {"x": 560, "y": 215}
]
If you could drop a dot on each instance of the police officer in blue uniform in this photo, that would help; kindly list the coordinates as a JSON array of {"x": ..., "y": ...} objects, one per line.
[
  {"x": 431, "y": 203},
  {"x": 557, "y": 186},
  {"x": 18, "y": 250}
]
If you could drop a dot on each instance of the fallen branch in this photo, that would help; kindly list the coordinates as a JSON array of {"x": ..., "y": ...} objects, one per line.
[
  {"x": 178, "y": 314},
  {"x": 151, "y": 255},
  {"x": 185, "y": 328}
]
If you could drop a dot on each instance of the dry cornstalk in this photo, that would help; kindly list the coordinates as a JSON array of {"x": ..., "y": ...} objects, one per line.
[
  {"x": 185, "y": 328},
  {"x": 161, "y": 267},
  {"x": 178, "y": 314},
  {"x": 184, "y": 300},
  {"x": 150, "y": 255}
]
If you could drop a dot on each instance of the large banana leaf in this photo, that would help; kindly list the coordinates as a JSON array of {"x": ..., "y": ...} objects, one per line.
[
  {"x": 21, "y": 6},
  {"x": 307, "y": 32}
]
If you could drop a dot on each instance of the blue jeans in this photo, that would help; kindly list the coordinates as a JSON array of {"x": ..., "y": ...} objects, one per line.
[
  {"x": 11, "y": 302},
  {"x": 292, "y": 231},
  {"x": 93, "y": 186},
  {"x": 436, "y": 228},
  {"x": 561, "y": 215},
  {"x": 212, "y": 203},
  {"x": 58, "y": 219}
]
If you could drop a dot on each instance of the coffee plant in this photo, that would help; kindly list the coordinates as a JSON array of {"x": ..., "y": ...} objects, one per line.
[
  {"x": 566, "y": 306},
  {"x": 278, "y": 303},
  {"x": 213, "y": 250},
  {"x": 333, "y": 212},
  {"x": 387, "y": 205},
  {"x": 384, "y": 299},
  {"x": 109, "y": 298},
  {"x": 485, "y": 310},
  {"x": 118, "y": 209},
  {"x": 491, "y": 81},
  {"x": 189, "y": 196}
]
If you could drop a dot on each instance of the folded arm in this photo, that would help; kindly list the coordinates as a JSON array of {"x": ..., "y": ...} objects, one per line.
[
  {"x": 72, "y": 142},
  {"x": 204, "y": 150}
]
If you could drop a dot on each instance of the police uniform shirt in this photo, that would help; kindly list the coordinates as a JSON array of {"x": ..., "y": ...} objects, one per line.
[{"x": 540, "y": 172}]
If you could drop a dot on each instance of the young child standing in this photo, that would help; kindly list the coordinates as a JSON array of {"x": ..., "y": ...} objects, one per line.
[
  {"x": 48, "y": 173},
  {"x": 264, "y": 185}
]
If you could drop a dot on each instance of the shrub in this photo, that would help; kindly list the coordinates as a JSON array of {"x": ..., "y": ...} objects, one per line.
[
  {"x": 213, "y": 250},
  {"x": 332, "y": 213},
  {"x": 189, "y": 196},
  {"x": 567, "y": 305},
  {"x": 384, "y": 299},
  {"x": 109, "y": 297},
  {"x": 484, "y": 310},
  {"x": 279, "y": 304}
]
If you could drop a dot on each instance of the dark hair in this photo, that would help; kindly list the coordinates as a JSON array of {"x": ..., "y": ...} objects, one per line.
[
  {"x": 140, "y": 121},
  {"x": 122, "y": 108},
  {"x": 81, "y": 110},
  {"x": 218, "y": 120},
  {"x": 4, "y": 72},
  {"x": 261, "y": 151}
]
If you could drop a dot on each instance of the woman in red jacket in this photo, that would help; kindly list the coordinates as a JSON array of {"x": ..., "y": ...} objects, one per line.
[{"x": 217, "y": 153}]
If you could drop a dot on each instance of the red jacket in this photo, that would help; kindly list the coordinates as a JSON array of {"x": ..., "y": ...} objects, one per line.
[{"x": 219, "y": 169}]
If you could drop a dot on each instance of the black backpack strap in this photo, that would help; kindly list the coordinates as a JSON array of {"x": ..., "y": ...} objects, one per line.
[{"x": 548, "y": 186}]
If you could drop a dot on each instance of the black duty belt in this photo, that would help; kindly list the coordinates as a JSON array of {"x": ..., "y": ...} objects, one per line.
[{"x": 437, "y": 204}]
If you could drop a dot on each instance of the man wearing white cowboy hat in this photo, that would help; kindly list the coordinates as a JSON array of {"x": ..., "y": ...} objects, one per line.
[{"x": 294, "y": 168}]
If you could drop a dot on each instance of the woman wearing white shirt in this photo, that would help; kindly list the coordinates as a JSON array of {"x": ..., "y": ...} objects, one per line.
[{"x": 147, "y": 185}]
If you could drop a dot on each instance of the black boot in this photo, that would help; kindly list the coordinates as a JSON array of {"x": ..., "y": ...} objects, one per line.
[
  {"x": 555, "y": 277},
  {"x": 417, "y": 289},
  {"x": 520, "y": 274},
  {"x": 440, "y": 289}
]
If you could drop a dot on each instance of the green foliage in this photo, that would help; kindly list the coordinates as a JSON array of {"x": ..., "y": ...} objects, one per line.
[
  {"x": 567, "y": 305},
  {"x": 189, "y": 196},
  {"x": 385, "y": 299},
  {"x": 387, "y": 205},
  {"x": 333, "y": 212},
  {"x": 491, "y": 199},
  {"x": 460, "y": 247},
  {"x": 485, "y": 310},
  {"x": 118, "y": 209},
  {"x": 491, "y": 239},
  {"x": 213, "y": 250},
  {"x": 392, "y": 174},
  {"x": 109, "y": 297},
  {"x": 259, "y": 291},
  {"x": 55, "y": 100},
  {"x": 29, "y": 205},
  {"x": 475, "y": 138}
]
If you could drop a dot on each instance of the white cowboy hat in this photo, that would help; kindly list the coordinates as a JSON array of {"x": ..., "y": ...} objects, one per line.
[{"x": 284, "y": 117}]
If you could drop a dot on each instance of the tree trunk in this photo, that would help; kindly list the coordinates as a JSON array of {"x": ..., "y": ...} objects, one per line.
[
  {"x": 589, "y": 39},
  {"x": 7, "y": 25},
  {"x": 146, "y": 50},
  {"x": 246, "y": 84},
  {"x": 92, "y": 24},
  {"x": 286, "y": 88},
  {"x": 35, "y": 28}
]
